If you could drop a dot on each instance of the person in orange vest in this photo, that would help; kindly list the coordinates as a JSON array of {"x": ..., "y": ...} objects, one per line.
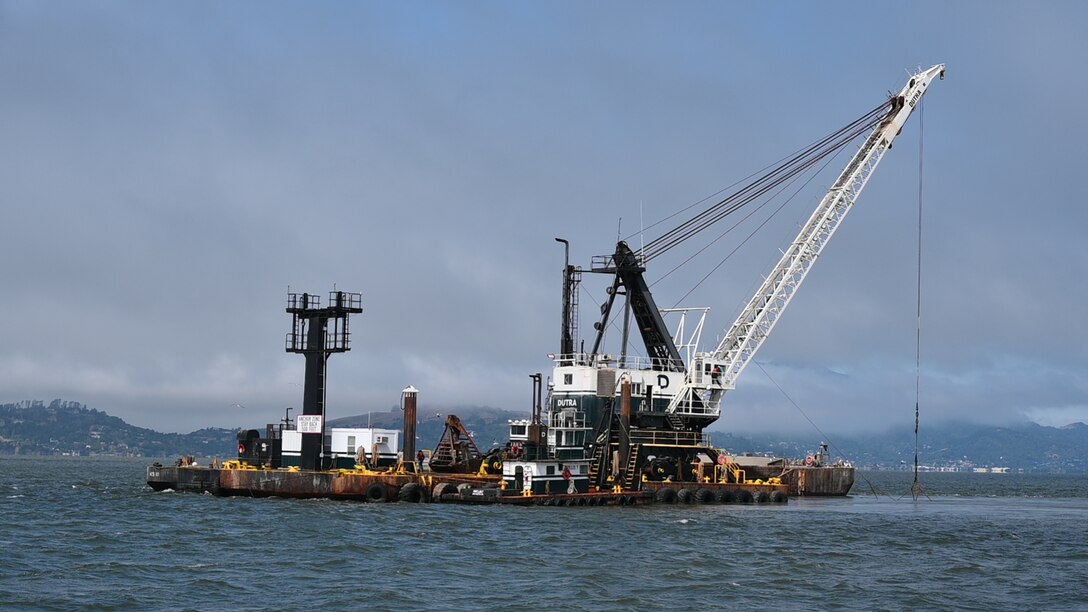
[{"x": 567, "y": 476}]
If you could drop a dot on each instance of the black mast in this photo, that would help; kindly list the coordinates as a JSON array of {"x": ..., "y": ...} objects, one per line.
[
  {"x": 571, "y": 278},
  {"x": 627, "y": 267},
  {"x": 317, "y": 333}
]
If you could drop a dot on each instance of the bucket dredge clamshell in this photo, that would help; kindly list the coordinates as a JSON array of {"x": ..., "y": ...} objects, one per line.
[{"x": 457, "y": 452}]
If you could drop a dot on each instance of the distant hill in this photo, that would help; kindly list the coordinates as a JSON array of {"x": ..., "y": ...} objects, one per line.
[
  {"x": 70, "y": 428},
  {"x": 63, "y": 427},
  {"x": 1028, "y": 446}
]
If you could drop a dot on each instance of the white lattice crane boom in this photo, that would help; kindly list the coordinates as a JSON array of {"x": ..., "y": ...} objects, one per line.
[{"x": 759, "y": 317}]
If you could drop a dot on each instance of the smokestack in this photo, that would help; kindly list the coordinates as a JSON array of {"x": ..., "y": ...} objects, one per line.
[
  {"x": 625, "y": 419},
  {"x": 408, "y": 396},
  {"x": 625, "y": 402}
]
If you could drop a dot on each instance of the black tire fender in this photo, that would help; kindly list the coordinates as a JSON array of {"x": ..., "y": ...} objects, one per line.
[
  {"x": 665, "y": 495},
  {"x": 411, "y": 493},
  {"x": 442, "y": 488},
  {"x": 377, "y": 492}
]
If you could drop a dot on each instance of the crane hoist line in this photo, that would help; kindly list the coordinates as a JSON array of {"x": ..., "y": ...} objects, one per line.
[
  {"x": 695, "y": 400},
  {"x": 802, "y": 161}
]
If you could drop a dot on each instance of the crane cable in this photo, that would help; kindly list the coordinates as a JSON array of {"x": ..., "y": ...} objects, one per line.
[
  {"x": 777, "y": 180},
  {"x": 743, "y": 197},
  {"x": 750, "y": 234},
  {"x": 708, "y": 216},
  {"x": 764, "y": 170},
  {"x": 800, "y": 162},
  {"x": 916, "y": 487}
]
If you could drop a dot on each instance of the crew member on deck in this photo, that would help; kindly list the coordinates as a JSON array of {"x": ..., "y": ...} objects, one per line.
[{"x": 567, "y": 476}]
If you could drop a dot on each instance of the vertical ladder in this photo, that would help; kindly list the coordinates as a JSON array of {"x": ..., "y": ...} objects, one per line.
[
  {"x": 595, "y": 466},
  {"x": 630, "y": 477},
  {"x": 575, "y": 281}
]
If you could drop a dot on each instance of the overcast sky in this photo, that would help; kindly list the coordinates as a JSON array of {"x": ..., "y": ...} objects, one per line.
[{"x": 167, "y": 171}]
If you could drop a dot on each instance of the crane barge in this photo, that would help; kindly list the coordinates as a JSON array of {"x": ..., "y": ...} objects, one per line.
[
  {"x": 612, "y": 430},
  {"x": 639, "y": 423}
]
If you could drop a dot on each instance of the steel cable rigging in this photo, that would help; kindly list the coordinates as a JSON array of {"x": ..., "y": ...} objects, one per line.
[
  {"x": 768, "y": 186},
  {"x": 766, "y": 183}
]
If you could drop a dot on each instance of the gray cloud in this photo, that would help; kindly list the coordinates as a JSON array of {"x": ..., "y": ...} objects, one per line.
[{"x": 167, "y": 172}]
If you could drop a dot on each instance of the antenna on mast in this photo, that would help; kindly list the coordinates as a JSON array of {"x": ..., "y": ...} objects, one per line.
[{"x": 641, "y": 237}]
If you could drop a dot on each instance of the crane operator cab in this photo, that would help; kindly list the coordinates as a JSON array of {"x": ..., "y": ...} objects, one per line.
[{"x": 707, "y": 372}]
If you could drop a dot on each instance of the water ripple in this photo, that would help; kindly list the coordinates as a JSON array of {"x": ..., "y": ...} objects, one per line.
[{"x": 90, "y": 533}]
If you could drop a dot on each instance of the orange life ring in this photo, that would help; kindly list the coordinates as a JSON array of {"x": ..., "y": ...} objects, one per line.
[
  {"x": 515, "y": 450},
  {"x": 810, "y": 461}
]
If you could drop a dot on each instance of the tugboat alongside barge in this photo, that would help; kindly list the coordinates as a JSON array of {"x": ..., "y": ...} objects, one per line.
[{"x": 619, "y": 431}]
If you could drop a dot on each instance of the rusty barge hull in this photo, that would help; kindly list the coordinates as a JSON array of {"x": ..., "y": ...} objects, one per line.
[
  {"x": 274, "y": 483},
  {"x": 808, "y": 481},
  {"x": 444, "y": 488},
  {"x": 304, "y": 484}
]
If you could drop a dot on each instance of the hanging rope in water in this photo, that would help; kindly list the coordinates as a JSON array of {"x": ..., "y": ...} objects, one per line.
[
  {"x": 916, "y": 488},
  {"x": 767, "y": 183},
  {"x": 831, "y": 445}
]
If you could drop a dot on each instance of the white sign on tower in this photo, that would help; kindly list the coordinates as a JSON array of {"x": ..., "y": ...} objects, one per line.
[{"x": 308, "y": 423}]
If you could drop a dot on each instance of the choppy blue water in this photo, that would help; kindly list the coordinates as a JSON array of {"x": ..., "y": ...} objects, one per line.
[{"x": 79, "y": 533}]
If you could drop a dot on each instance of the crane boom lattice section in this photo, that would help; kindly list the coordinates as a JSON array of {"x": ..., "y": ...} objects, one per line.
[
  {"x": 711, "y": 375},
  {"x": 758, "y": 318},
  {"x": 760, "y": 315}
]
